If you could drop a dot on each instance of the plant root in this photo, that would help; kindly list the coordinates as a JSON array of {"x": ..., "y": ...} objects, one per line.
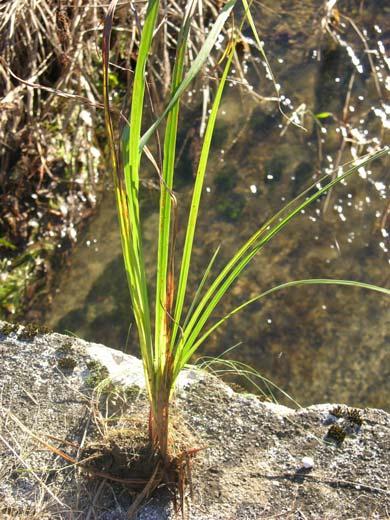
[
  {"x": 154, "y": 481},
  {"x": 175, "y": 475}
]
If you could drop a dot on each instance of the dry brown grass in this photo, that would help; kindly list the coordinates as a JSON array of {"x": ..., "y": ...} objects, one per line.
[{"x": 51, "y": 160}]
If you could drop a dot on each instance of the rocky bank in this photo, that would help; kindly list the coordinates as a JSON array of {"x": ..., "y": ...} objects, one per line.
[{"x": 60, "y": 402}]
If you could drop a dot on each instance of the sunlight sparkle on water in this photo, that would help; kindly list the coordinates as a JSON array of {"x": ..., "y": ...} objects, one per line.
[
  {"x": 382, "y": 114},
  {"x": 380, "y": 186}
]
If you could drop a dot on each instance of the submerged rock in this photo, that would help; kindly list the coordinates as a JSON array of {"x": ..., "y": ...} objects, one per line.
[{"x": 252, "y": 462}]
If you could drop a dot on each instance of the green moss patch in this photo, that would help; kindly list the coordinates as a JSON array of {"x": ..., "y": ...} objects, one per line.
[
  {"x": 67, "y": 363},
  {"x": 30, "y": 330},
  {"x": 66, "y": 348},
  {"x": 97, "y": 373},
  {"x": 8, "y": 328}
]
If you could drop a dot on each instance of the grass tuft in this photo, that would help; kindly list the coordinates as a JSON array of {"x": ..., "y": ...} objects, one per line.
[{"x": 168, "y": 342}]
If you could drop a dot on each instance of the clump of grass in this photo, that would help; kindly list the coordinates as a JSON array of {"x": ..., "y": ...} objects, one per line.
[{"x": 168, "y": 344}]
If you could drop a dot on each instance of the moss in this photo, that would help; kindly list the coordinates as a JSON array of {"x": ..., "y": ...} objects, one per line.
[
  {"x": 337, "y": 412},
  {"x": 30, "y": 330},
  {"x": 354, "y": 416},
  {"x": 351, "y": 415},
  {"x": 336, "y": 434},
  {"x": 131, "y": 392},
  {"x": 66, "y": 348},
  {"x": 66, "y": 363},
  {"x": 97, "y": 373},
  {"x": 8, "y": 328},
  {"x": 237, "y": 388}
]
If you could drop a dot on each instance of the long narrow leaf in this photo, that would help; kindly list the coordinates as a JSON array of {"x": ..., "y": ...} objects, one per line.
[
  {"x": 131, "y": 163},
  {"x": 241, "y": 259},
  {"x": 196, "y": 196},
  {"x": 295, "y": 283},
  {"x": 198, "y": 291},
  {"x": 119, "y": 186},
  {"x": 247, "y": 372},
  {"x": 197, "y": 64},
  {"x": 164, "y": 288}
]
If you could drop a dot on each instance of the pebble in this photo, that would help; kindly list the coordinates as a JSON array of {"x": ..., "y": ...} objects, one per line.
[{"x": 308, "y": 462}]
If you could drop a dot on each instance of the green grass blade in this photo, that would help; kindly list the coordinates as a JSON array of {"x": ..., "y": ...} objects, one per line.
[
  {"x": 261, "y": 230},
  {"x": 201, "y": 285},
  {"x": 247, "y": 372},
  {"x": 164, "y": 287},
  {"x": 295, "y": 283},
  {"x": 134, "y": 258},
  {"x": 260, "y": 45},
  {"x": 118, "y": 178},
  {"x": 196, "y": 196},
  {"x": 194, "y": 69},
  {"x": 241, "y": 259}
]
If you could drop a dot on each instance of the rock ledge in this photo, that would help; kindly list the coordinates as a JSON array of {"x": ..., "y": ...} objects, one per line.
[{"x": 260, "y": 460}]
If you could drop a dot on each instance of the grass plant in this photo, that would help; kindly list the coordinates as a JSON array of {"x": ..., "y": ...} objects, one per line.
[{"x": 168, "y": 337}]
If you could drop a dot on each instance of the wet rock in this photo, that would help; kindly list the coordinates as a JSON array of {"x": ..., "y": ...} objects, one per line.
[{"x": 256, "y": 457}]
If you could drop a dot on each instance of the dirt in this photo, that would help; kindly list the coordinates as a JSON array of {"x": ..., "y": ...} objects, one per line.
[{"x": 250, "y": 466}]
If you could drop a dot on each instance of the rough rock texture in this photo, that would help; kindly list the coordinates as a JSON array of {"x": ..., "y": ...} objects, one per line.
[{"x": 251, "y": 465}]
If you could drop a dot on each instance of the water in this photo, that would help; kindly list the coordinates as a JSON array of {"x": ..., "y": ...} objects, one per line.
[{"x": 319, "y": 344}]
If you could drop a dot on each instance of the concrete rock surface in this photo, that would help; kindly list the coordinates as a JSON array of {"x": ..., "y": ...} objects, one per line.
[{"x": 253, "y": 461}]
